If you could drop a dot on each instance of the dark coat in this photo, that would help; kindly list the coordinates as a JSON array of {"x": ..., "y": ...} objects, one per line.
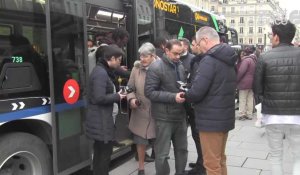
[
  {"x": 277, "y": 80},
  {"x": 194, "y": 67},
  {"x": 101, "y": 96},
  {"x": 213, "y": 90},
  {"x": 161, "y": 89},
  {"x": 186, "y": 61}
]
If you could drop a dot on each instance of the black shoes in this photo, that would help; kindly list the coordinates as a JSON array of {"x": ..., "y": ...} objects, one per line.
[
  {"x": 141, "y": 172},
  {"x": 147, "y": 158},
  {"x": 192, "y": 165},
  {"x": 197, "y": 171}
]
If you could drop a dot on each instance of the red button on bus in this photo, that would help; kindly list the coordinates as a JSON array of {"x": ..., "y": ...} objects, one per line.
[{"x": 71, "y": 91}]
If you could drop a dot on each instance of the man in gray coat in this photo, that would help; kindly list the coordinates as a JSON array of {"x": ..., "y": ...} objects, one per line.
[{"x": 167, "y": 108}]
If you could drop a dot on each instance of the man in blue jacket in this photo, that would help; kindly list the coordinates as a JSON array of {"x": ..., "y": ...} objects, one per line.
[{"x": 213, "y": 93}]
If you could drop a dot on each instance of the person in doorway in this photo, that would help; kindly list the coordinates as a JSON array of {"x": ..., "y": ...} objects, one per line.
[
  {"x": 277, "y": 85},
  {"x": 141, "y": 123},
  {"x": 102, "y": 96}
]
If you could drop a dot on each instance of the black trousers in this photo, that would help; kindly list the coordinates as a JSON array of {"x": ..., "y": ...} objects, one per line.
[
  {"x": 195, "y": 135},
  {"x": 101, "y": 159}
]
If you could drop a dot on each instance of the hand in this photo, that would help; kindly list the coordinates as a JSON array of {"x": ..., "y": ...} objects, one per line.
[
  {"x": 133, "y": 103},
  {"x": 180, "y": 97},
  {"x": 124, "y": 68},
  {"x": 122, "y": 95}
]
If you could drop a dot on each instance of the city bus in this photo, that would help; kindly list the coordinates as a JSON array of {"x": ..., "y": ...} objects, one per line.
[{"x": 44, "y": 72}]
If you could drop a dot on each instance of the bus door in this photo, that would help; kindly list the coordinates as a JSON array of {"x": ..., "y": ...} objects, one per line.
[
  {"x": 68, "y": 84},
  {"x": 102, "y": 18}
]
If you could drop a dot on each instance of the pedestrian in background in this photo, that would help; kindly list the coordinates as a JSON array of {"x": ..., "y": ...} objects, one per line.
[
  {"x": 277, "y": 85},
  {"x": 213, "y": 95},
  {"x": 101, "y": 98},
  {"x": 141, "y": 123},
  {"x": 245, "y": 75},
  {"x": 167, "y": 108},
  {"x": 160, "y": 44}
]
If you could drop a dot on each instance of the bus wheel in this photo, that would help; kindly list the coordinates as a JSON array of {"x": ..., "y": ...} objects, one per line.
[{"x": 24, "y": 154}]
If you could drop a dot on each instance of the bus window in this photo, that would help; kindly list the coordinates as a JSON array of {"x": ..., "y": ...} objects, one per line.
[
  {"x": 22, "y": 54},
  {"x": 145, "y": 21}
]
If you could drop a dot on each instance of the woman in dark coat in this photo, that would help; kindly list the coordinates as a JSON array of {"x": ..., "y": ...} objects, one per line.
[{"x": 101, "y": 98}]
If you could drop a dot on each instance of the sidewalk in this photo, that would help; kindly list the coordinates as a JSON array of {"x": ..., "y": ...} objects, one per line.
[{"x": 247, "y": 153}]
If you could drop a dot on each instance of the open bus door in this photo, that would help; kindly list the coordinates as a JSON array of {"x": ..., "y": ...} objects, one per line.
[
  {"x": 67, "y": 47},
  {"x": 103, "y": 17}
]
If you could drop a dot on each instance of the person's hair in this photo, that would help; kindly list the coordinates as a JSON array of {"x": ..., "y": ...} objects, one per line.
[
  {"x": 147, "y": 49},
  {"x": 208, "y": 32},
  {"x": 119, "y": 33},
  {"x": 285, "y": 32},
  {"x": 159, "y": 41},
  {"x": 185, "y": 41},
  {"x": 107, "y": 52},
  {"x": 170, "y": 43},
  {"x": 247, "y": 50},
  {"x": 99, "y": 52}
]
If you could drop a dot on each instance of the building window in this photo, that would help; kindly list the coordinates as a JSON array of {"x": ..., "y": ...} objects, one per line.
[
  {"x": 241, "y": 30},
  {"x": 241, "y": 19},
  {"x": 232, "y": 21},
  {"x": 212, "y": 8},
  {"x": 250, "y": 40},
  {"x": 251, "y": 21},
  {"x": 250, "y": 30},
  {"x": 259, "y": 29},
  {"x": 241, "y": 40},
  {"x": 224, "y": 10},
  {"x": 259, "y": 40},
  {"x": 232, "y": 9}
]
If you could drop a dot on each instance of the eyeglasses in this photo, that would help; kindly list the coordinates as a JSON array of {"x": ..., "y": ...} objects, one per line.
[
  {"x": 142, "y": 56},
  {"x": 176, "y": 54}
]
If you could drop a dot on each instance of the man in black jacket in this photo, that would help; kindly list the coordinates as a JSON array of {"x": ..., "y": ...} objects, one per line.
[
  {"x": 213, "y": 93},
  {"x": 277, "y": 85},
  {"x": 167, "y": 108},
  {"x": 189, "y": 62}
]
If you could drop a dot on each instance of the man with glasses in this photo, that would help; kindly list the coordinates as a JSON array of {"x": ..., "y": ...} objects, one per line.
[
  {"x": 167, "y": 108},
  {"x": 213, "y": 94},
  {"x": 277, "y": 85},
  {"x": 190, "y": 63}
]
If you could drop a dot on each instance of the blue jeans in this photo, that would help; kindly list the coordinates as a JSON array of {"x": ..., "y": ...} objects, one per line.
[{"x": 275, "y": 134}]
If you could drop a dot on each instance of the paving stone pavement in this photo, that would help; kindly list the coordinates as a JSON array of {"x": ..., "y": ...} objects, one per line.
[{"x": 247, "y": 154}]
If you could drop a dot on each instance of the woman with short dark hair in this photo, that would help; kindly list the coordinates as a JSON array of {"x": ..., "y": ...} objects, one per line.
[{"x": 102, "y": 99}]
